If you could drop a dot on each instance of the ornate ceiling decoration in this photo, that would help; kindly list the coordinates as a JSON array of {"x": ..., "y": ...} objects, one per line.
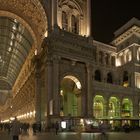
[
  {"x": 15, "y": 44},
  {"x": 30, "y": 11}
]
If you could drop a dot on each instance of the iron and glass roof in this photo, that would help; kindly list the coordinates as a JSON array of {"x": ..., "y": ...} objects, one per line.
[{"x": 15, "y": 44}]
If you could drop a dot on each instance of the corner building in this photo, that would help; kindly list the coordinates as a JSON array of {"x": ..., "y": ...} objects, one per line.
[{"x": 52, "y": 69}]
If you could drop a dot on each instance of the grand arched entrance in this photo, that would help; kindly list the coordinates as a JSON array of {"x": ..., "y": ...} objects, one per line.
[{"x": 70, "y": 96}]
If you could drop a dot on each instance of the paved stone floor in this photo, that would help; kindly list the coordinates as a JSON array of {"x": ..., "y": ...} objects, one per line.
[{"x": 75, "y": 136}]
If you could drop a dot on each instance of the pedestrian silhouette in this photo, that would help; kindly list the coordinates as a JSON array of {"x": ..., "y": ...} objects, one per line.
[
  {"x": 56, "y": 127},
  {"x": 15, "y": 129}
]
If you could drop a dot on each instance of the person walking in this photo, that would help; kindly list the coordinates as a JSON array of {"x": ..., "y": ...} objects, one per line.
[
  {"x": 15, "y": 129},
  {"x": 56, "y": 127},
  {"x": 104, "y": 127}
]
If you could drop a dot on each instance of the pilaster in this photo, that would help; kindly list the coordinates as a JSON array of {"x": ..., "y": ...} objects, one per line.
[
  {"x": 106, "y": 107},
  {"x": 54, "y": 11},
  {"x": 88, "y": 17},
  {"x": 56, "y": 84},
  {"x": 48, "y": 85},
  {"x": 135, "y": 108},
  {"x": 83, "y": 102},
  {"x": 89, "y": 90},
  {"x": 37, "y": 92}
]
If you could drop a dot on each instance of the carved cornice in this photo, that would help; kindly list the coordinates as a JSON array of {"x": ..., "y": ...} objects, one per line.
[
  {"x": 124, "y": 36},
  {"x": 68, "y": 43}
]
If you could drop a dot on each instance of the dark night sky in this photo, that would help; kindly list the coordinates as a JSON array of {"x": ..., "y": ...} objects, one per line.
[{"x": 110, "y": 15}]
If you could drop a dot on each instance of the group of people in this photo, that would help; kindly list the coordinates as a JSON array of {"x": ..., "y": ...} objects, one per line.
[{"x": 15, "y": 128}]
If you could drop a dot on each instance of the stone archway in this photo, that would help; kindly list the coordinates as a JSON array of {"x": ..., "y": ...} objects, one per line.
[{"x": 70, "y": 96}]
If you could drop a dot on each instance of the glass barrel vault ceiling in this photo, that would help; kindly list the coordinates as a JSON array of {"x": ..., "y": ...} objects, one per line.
[{"x": 15, "y": 44}]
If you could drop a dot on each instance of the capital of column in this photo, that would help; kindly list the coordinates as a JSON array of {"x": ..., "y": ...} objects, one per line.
[
  {"x": 37, "y": 74},
  {"x": 56, "y": 59},
  {"x": 97, "y": 56},
  {"x": 89, "y": 67},
  {"x": 48, "y": 61}
]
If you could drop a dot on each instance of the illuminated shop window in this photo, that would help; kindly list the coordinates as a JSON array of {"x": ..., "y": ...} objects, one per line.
[
  {"x": 127, "y": 108},
  {"x": 98, "y": 106},
  {"x": 114, "y": 107}
]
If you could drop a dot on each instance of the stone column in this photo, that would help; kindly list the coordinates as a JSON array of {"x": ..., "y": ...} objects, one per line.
[
  {"x": 60, "y": 18},
  {"x": 81, "y": 26},
  {"x": 97, "y": 57},
  {"x": 56, "y": 86},
  {"x": 118, "y": 107},
  {"x": 48, "y": 90},
  {"x": 121, "y": 100},
  {"x": 48, "y": 85},
  {"x": 37, "y": 92},
  {"x": 89, "y": 90},
  {"x": 134, "y": 53},
  {"x": 109, "y": 61},
  {"x": 135, "y": 107},
  {"x": 106, "y": 107},
  {"x": 69, "y": 21},
  {"x": 88, "y": 17},
  {"x": 83, "y": 102},
  {"x": 103, "y": 59},
  {"x": 54, "y": 11}
]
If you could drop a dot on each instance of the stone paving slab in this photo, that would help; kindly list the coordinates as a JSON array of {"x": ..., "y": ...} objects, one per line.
[{"x": 75, "y": 136}]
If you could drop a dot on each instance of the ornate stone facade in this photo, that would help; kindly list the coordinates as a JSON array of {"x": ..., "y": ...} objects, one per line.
[{"x": 71, "y": 74}]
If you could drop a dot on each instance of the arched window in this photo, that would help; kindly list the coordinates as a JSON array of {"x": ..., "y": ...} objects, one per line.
[
  {"x": 97, "y": 75},
  {"x": 64, "y": 21},
  {"x": 107, "y": 59},
  {"x": 109, "y": 78},
  {"x": 101, "y": 57},
  {"x": 127, "y": 108},
  {"x": 114, "y": 107},
  {"x": 113, "y": 60},
  {"x": 74, "y": 24}
]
